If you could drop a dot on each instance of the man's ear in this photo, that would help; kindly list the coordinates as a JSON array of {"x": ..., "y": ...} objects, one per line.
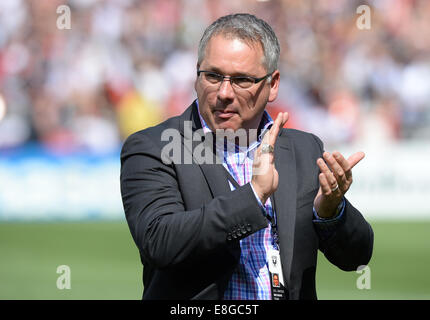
[{"x": 274, "y": 86}]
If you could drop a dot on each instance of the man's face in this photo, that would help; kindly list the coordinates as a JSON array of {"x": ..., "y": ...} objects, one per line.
[{"x": 226, "y": 107}]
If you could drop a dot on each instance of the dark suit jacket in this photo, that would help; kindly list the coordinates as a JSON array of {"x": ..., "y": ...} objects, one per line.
[{"x": 187, "y": 223}]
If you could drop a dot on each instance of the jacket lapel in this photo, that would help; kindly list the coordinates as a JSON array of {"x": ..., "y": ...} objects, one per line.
[
  {"x": 215, "y": 172},
  {"x": 216, "y": 178},
  {"x": 285, "y": 200}
]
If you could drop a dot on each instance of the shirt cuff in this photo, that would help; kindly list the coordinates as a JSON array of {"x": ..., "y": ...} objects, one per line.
[
  {"x": 263, "y": 208},
  {"x": 339, "y": 212},
  {"x": 326, "y": 227}
]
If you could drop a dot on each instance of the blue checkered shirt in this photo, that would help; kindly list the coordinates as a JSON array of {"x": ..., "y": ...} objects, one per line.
[{"x": 251, "y": 279}]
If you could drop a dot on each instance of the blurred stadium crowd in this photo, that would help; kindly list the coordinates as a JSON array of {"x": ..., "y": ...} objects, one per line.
[{"x": 125, "y": 65}]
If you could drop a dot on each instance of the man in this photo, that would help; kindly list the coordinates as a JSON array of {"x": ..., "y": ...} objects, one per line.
[{"x": 221, "y": 229}]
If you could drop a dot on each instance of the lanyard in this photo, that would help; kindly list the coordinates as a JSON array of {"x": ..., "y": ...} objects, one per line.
[
  {"x": 272, "y": 219},
  {"x": 274, "y": 224},
  {"x": 279, "y": 291}
]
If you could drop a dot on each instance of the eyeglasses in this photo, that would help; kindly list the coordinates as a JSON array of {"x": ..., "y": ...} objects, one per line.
[{"x": 242, "y": 82}]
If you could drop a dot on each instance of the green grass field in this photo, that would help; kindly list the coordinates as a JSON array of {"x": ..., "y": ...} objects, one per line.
[{"x": 104, "y": 263}]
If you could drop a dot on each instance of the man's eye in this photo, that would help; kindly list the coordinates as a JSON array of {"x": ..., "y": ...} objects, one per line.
[
  {"x": 213, "y": 77},
  {"x": 243, "y": 81}
]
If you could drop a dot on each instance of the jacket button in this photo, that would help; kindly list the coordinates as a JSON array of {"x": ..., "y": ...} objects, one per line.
[{"x": 243, "y": 230}]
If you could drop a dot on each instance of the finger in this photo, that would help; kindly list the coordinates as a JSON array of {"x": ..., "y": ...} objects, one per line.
[
  {"x": 270, "y": 137},
  {"x": 325, "y": 185},
  {"x": 280, "y": 121},
  {"x": 336, "y": 168},
  {"x": 264, "y": 160},
  {"x": 274, "y": 130},
  {"x": 355, "y": 158},
  {"x": 327, "y": 172},
  {"x": 275, "y": 126},
  {"x": 265, "y": 137},
  {"x": 285, "y": 117},
  {"x": 344, "y": 164}
]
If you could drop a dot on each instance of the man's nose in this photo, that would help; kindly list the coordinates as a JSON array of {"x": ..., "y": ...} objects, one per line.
[{"x": 225, "y": 91}]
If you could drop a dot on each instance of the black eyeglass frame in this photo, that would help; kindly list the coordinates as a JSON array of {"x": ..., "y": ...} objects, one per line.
[{"x": 231, "y": 78}]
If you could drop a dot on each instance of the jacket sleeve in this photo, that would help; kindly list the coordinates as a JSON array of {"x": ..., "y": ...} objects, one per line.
[
  {"x": 350, "y": 240},
  {"x": 166, "y": 233}
]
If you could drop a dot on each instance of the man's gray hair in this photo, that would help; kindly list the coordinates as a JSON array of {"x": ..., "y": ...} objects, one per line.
[{"x": 245, "y": 27}]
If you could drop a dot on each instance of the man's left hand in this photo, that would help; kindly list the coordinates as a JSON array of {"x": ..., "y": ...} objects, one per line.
[{"x": 335, "y": 180}]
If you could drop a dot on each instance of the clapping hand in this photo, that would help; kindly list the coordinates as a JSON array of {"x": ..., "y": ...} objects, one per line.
[
  {"x": 335, "y": 180},
  {"x": 264, "y": 174}
]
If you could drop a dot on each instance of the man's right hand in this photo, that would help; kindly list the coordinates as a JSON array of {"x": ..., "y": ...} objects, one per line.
[{"x": 264, "y": 174}]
